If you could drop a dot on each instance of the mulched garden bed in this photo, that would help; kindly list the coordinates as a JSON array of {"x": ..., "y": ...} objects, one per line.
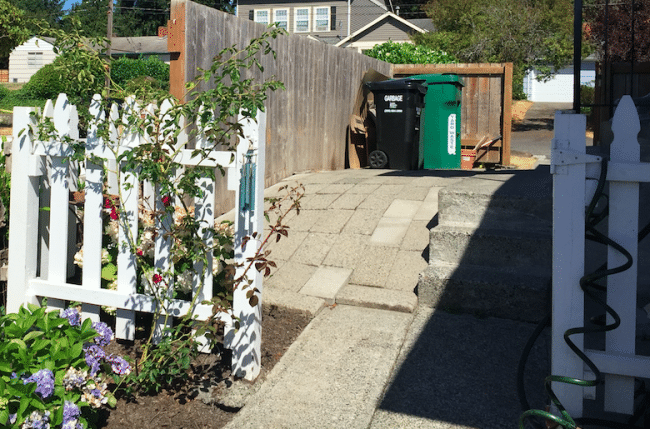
[{"x": 198, "y": 404}]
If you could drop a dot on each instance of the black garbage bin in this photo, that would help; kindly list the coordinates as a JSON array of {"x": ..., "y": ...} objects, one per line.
[{"x": 398, "y": 105}]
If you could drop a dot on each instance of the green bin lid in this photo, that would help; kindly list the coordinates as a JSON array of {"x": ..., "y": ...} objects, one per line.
[{"x": 432, "y": 79}]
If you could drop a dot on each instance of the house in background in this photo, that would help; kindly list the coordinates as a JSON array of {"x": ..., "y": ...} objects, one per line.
[
  {"x": 559, "y": 89},
  {"x": 28, "y": 58},
  {"x": 358, "y": 24}
]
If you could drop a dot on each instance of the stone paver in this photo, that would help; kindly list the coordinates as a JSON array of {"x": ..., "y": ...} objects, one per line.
[
  {"x": 405, "y": 270},
  {"x": 390, "y": 190},
  {"x": 373, "y": 267},
  {"x": 336, "y": 188},
  {"x": 376, "y": 202},
  {"x": 326, "y": 283},
  {"x": 416, "y": 237},
  {"x": 347, "y": 201},
  {"x": 364, "y": 188},
  {"x": 305, "y": 220},
  {"x": 390, "y": 231},
  {"x": 317, "y": 201},
  {"x": 314, "y": 248},
  {"x": 332, "y": 222},
  {"x": 347, "y": 250},
  {"x": 286, "y": 247},
  {"x": 290, "y": 276},
  {"x": 376, "y": 297},
  {"x": 363, "y": 222},
  {"x": 403, "y": 209}
]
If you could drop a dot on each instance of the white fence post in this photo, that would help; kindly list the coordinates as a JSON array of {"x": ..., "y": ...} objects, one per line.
[
  {"x": 93, "y": 204},
  {"x": 245, "y": 343},
  {"x": 23, "y": 228},
  {"x": 623, "y": 229},
  {"x": 568, "y": 253}
]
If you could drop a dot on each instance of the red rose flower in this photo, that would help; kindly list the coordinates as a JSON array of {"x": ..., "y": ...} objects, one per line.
[
  {"x": 157, "y": 278},
  {"x": 166, "y": 200}
]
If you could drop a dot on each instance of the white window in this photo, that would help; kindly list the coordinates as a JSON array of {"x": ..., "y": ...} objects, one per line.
[
  {"x": 262, "y": 16},
  {"x": 321, "y": 18},
  {"x": 35, "y": 59},
  {"x": 281, "y": 17},
  {"x": 301, "y": 20}
]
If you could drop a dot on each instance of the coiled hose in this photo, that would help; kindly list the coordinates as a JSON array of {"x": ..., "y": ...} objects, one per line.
[{"x": 589, "y": 287}]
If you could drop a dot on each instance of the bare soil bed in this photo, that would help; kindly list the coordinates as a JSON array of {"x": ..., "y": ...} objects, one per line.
[{"x": 197, "y": 404}]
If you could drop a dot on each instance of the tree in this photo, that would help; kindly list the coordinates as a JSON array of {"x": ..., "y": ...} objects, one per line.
[
  {"x": 408, "y": 53},
  {"x": 528, "y": 33},
  {"x": 13, "y": 28},
  {"x": 612, "y": 26},
  {"x": 140, "y": 17},
  {"x": 92, "y": 16},
  {"x": 143, "y": 17},
  {"x": 37, "y": 11}
]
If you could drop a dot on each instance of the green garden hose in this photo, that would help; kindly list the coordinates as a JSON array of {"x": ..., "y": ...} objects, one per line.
[{"x": 589, "y": 286}]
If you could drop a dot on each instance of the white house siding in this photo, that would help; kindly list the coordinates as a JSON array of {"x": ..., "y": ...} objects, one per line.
[
  {"x": 21, "y": 60},
  {"x": 558, "y": 89}
]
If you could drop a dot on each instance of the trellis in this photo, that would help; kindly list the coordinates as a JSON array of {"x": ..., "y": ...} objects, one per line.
[{"x": 40, "y": 256}]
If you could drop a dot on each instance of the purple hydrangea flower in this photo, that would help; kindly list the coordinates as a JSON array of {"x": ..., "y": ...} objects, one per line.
[
  {"x": 104, "y": 334},
  {"x": 94, "y": 356},
  {"x": 44, "y": 380},
  {"x": 72, "y": 315},
  {"x": 70, "y": 412},
  {"x": 119, "y": 365},
  {"x": 36, "y": 420}
]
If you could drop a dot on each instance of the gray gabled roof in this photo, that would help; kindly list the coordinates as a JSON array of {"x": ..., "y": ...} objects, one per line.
[{"x": 424, "y": 23}]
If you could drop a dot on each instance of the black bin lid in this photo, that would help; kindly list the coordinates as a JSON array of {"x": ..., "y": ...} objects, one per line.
[{"x": 398, "y": 85}]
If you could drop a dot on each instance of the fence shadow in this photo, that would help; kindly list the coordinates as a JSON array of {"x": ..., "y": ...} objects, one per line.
[{"x": 459, "y": 364}]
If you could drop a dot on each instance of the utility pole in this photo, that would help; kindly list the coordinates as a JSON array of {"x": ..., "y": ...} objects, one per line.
[{"x": 109, "y": 36}]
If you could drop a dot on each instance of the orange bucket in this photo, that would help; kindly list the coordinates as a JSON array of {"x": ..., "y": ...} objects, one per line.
[{"x": 467, "y": 158}]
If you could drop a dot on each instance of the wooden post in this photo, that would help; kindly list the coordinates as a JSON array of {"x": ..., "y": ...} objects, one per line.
[
  {"x": 245, "y": 342},
  {"x": 568, "y": 255},
  {"x": 623, "y": 229},
  {"x": 23, "y": 229}
]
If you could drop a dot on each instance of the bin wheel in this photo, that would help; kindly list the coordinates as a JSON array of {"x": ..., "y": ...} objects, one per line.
[{"x": 378, "y": 159}]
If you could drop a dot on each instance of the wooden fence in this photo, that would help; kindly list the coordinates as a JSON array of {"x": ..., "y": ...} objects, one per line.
[
  {"x": 575, "y": 176},
  {"x": 308, "y": 121},
  {"x": 613, "y": 81},
  {"x": 486, "y": 105},
  {"x": 39, "y": 258}
]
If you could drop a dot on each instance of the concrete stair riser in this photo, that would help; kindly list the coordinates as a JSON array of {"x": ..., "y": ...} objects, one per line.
[
  {"x": 510, "y": 250},
  {"x": 478, "y": 291},
  {"x": 459, "y": 208}
]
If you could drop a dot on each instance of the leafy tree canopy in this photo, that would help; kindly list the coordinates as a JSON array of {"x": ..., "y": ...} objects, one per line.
[
  {"x": 143, "y": 17},
  {"x": 48, "y": 11},
  {"x": 92, "y": 17},
  {"x": 528, "y": 33},
  {"x": 408, "y": 53},
  {"x": 612, "y": 26},
  {"x": 13, "y": 28}
]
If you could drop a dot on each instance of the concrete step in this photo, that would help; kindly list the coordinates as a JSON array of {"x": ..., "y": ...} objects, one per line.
[
  {"x": 485, "y": 291},
  {"x": 520, "y": 200},
  {"x": 530, "y": 251}
]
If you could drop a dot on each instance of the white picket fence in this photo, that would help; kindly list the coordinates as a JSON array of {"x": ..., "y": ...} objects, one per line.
[
  {"x": 40, "y": 257},
  {"x": 574, "y": 172}
]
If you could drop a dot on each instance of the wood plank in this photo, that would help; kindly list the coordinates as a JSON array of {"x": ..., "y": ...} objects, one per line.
[
  {"x": 464, "y": 69},
  {"x": 506, "y": 109}
]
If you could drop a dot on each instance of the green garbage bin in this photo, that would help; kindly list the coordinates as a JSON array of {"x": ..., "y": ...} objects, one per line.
[{"x": 440, "y": 122}]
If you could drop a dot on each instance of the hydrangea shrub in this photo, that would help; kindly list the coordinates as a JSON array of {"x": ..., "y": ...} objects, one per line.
[{"x": 53, "y": 368}]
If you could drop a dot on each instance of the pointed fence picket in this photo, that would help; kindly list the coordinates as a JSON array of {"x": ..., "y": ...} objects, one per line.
[
  {"x": 39, "y": 258},
  {"x": 574, "y": 172}
]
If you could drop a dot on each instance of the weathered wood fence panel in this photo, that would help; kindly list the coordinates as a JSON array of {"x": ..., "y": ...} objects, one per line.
[
  {"x": 573, "y": 173},
  {"x": 307, "y": 122},
  {"x": 486, "y": 106},
  {"x": 36, "y": 272},
  {"x": 613, "y": 81}
]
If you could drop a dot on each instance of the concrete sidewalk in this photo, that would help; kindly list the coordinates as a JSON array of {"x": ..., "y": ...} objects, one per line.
[{"x": 376, "y": 360}]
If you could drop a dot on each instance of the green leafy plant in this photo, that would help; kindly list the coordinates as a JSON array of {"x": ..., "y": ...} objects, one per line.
[
  {"x": 158, "y": 122},
  {"x": 53, "y": 368},
  {"x": 125, "y": 70},
  {"x": 408, "y": 53}
]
